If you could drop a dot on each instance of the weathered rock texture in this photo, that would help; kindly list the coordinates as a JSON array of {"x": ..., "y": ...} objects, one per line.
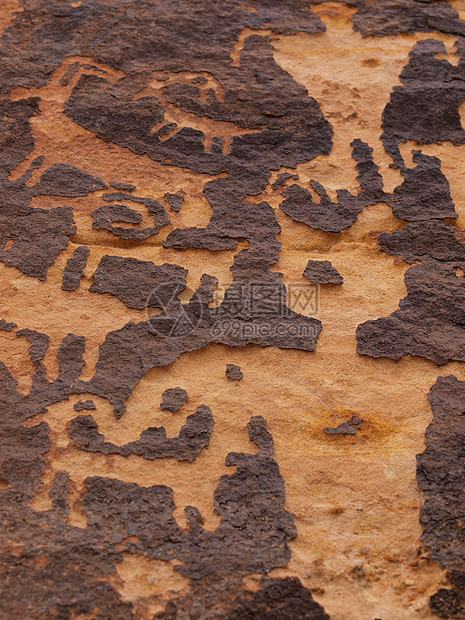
[
  {"x": 345, "y": 428},
  {"x": 173, "y": 399},
  {"x": 322, "y": 272},
  {"x": 440, "y": 473},
  {"x": 234, "y": 372},
  {"x": 169, "y": 174}
]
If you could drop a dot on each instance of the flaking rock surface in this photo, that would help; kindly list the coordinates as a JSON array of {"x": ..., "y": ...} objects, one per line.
[{"x": 177, "y": 179}]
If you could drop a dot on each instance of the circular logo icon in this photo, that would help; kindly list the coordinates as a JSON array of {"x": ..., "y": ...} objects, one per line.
[{"x": 173, "y": 319}]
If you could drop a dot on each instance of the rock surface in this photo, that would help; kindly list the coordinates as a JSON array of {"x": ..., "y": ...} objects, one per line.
[
  {"x": 234, "y": 372},
  {"x": 322, "y": 272},
  {"x": 173, "y": 399},
  {"x": 167, "y": 172},
  {"x": 345, "y": 428},
  {"x": 440, "y": 474}
]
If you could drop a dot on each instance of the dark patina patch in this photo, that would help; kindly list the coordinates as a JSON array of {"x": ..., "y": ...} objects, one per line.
[
  {"x": 345, "y": 428},
  {"x": 74, "y": 269},
  {"x": 234, "y": 372},
  {"x": 322, "y": 272},
  {"x": 429, "y": 322},
  {"x": 153, "y": 442},
  {"x": 440, "y": 475},
  {"x": 173, "y": 399}
]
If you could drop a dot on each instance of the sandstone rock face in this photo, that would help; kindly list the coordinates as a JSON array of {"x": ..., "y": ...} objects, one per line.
[{"x": 176, "y": 181}]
